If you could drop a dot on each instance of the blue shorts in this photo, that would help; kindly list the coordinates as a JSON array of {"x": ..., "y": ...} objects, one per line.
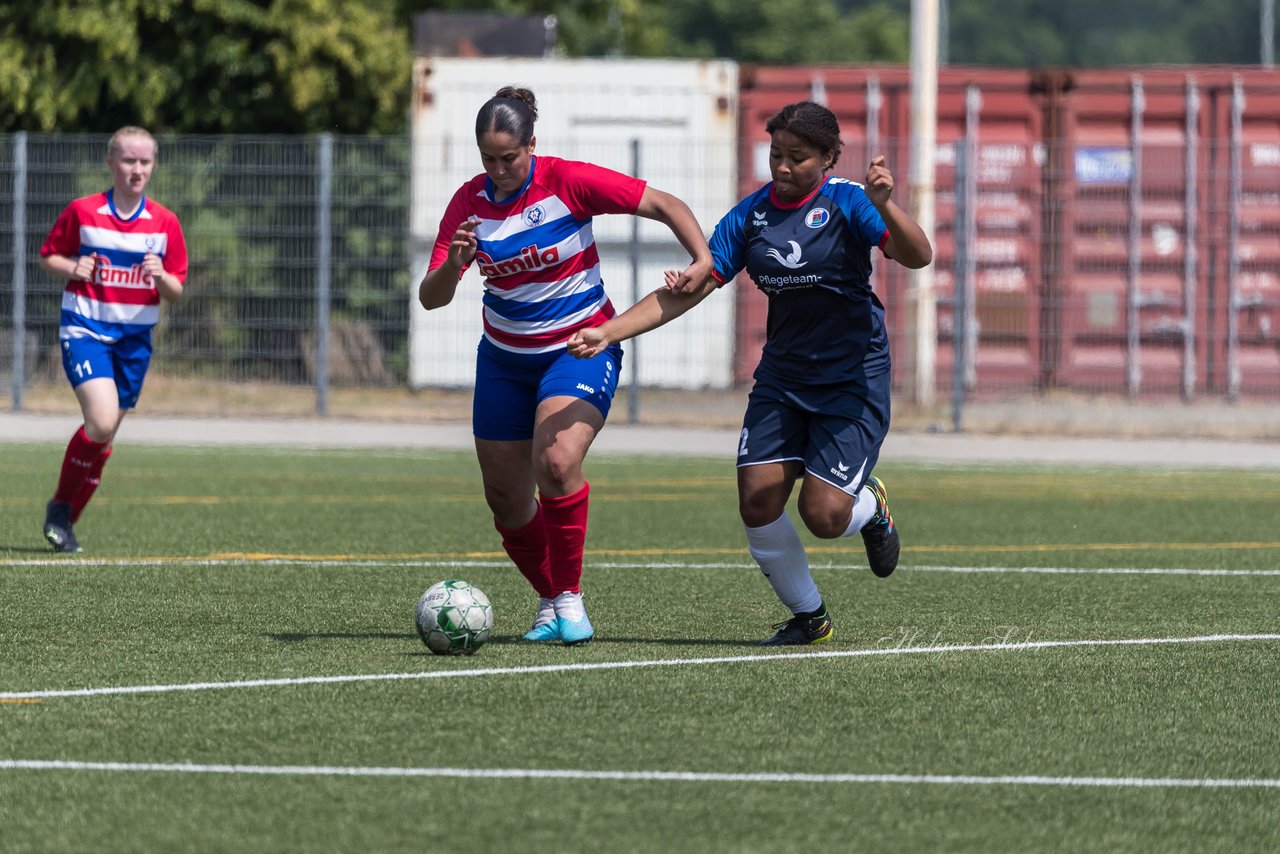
[
  {"x": 124, "y": 361},
  {"x": 509, "y": 387},
  {"x": 836, "y": 431}
]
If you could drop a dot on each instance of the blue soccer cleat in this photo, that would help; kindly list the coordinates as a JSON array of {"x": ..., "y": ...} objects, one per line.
[
  {"x": 546, "y": 626},
  {"x": 575, "y": 628}
]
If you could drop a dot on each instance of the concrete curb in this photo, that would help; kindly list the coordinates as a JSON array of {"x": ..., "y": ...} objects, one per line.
[{"x": 626, "y": 439}]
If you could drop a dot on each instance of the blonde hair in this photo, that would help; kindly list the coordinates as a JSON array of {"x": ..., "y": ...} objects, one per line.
[{"x": 114, "y": 144}]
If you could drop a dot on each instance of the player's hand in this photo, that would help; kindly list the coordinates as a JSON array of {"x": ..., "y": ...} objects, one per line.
[
  {"x": 462, "y": 249},
  {"x": 689, "y": 279},
  {"x": 879, "y": 183},
  {"x": 85, "y": 265},
  {"x": 152, "y": 266},
  {"x": 586, "y": 343}
]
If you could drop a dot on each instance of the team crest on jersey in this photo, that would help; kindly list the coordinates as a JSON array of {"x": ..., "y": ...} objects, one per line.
[
  {"x": 535, "y": 215},
  {"x": 817, "y": 218}
]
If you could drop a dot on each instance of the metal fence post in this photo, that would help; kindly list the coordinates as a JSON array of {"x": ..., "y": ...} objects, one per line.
[
  {"x": 1133, "y": 296},
  {"x": 324, "y": 256},
  {"x": 19, "y": 266},
  {"x": 633, "y": 386},
  {"x": 963, "y": 332},
  {"x": 1234, "y": 302},
  {"x": 1190, "y": 240}
]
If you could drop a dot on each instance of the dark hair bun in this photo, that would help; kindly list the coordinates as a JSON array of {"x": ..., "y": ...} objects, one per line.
[{"x": 524, "y": 96}]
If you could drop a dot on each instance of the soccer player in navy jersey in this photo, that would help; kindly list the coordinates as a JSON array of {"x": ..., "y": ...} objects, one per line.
[
  {"x": 526, "y": 224},
  {"x": 122, "y": 254},
  {"x": 820, "y": 403}
]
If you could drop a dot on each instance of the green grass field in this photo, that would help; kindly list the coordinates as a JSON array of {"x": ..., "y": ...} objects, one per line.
[{"x": 1067, "y": 659}]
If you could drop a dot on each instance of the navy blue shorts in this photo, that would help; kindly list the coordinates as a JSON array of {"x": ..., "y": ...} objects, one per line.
[
  {"x": 836, "y": 431},
  {"x": 509, "y": 387},
  {"x": 125, "y": 361}
]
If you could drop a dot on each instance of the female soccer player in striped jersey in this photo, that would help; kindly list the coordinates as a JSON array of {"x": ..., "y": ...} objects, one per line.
[
  {"x": 525, "y": 222},
  {"x": 122, "y": 253},
  {"x": 820, "y": 403}
]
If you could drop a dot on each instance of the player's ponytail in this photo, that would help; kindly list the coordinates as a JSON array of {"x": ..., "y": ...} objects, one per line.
[{"x": 511, "y": 111}]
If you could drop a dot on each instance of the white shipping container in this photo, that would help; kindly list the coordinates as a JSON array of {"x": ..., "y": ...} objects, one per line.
[{"x": 673, "y": 123}]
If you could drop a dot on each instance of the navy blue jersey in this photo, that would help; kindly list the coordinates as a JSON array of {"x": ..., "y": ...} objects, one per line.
[{"x": 813, "y": 261}]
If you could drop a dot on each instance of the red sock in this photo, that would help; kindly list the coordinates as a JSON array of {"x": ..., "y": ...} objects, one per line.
[
  {"x": 527, "y": 548},
  {"x": 92, "y": 478},
  {"x": 566, "y": 521},
  {"x": 77, "y": 465}
]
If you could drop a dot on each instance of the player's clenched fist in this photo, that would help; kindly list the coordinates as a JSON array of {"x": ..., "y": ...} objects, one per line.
[{"x": 588, "y": 342}]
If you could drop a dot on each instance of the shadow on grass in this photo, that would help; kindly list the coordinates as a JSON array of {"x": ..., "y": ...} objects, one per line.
[
  {"x": 31, "y": 550},
  {"x": 299, "y": 637},
  {"x": 512, "y": 640}
]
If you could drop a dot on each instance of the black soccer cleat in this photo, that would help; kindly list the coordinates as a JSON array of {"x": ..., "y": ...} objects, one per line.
[
  {"x": 800, "y": 630},
  {"x": 57, "y": 527},
  {"x": 880, "y": 535}
]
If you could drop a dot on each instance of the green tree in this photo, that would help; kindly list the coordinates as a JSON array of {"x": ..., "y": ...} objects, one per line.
[
  {"x": 206, "y": 66},
  {"x": 764, "y": 31},
  {"x": 1101, "y": 33}
]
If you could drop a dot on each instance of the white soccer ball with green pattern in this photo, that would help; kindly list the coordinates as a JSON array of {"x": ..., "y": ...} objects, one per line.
[{"x": 454, "y": 618}]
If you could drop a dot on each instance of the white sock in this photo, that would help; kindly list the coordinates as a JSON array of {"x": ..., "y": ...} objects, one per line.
[
  {"x": 864, "y": 509},
  {"x": 782, "y": 558}
]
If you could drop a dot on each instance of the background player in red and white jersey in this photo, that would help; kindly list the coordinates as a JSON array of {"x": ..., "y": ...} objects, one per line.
[
  {"x": 122, "y": 253},
  {"x": 526, "y": 222}
]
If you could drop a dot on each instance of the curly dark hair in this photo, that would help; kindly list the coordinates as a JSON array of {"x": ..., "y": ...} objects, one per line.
[
  {"x": 813, "y": 123},
  {"x": 511, "y": 111}
]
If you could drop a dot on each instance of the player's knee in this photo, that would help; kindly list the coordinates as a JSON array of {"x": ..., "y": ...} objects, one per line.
[
  {"x": 557, "y": 469},
  {"x": 506, "y": 502},
  {"x": 759, "y": 510},
  {"x": 99, "y": 430}
]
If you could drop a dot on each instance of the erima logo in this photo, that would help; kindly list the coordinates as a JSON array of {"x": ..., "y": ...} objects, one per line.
[
  {"x": 817, "y": 218},
  {"x": 584, "y": 387},
  {"x": 530, "y": 258},
  {"x": 841, "y": 471},
  {"x": 759, "y": 218},
  {"x": 792, "y": 261}
]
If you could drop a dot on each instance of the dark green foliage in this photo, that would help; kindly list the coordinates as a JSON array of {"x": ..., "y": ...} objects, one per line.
[{"x": 203, "y": 66}]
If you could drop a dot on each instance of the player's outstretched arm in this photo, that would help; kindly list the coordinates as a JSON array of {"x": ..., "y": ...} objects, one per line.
[
  {"x": 659, "y": 307},
  {"x": 907, "y": 244}
]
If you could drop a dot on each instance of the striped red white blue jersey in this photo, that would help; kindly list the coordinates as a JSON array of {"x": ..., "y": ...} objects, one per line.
[
  {"x": 122, "y": 299},
  {"x": 536, "y": 250}
]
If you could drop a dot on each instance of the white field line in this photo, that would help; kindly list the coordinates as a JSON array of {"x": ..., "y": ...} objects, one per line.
[
  {"x": 902, "y": 649},
  {"x": 363, "y": 562},
  {"x": 640, "y": 776}
]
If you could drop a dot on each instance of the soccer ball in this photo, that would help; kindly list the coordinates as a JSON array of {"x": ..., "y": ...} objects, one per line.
[{"x": 454, "y": 618}]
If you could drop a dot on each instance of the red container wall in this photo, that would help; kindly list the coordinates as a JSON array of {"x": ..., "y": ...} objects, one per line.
[
  {"x": 1097, "y": 122},
  {"x": 1008, "y": 217},
  {"x": 1053, "y": 219}
]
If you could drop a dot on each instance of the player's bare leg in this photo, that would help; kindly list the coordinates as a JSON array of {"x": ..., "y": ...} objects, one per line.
[{"x": 830, "y": 512}]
